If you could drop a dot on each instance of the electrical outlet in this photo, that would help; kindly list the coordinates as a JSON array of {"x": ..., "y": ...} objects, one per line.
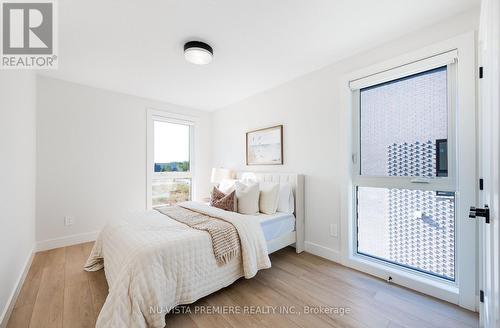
[
  {"x": 69, "y": 220},
  {"x": 334, "y": 230}
]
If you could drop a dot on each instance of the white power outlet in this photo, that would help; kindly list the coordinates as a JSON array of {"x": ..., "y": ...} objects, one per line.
[
  {"x": 334, "y": 230},
  {"x": 69, "y": 220}
]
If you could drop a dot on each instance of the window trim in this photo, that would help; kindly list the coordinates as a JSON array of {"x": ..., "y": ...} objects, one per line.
[
  {"x": 167, "y": 117},
  {"x": 411, "y": 67}
]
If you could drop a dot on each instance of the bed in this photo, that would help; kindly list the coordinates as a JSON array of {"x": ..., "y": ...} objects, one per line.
[
  {"x": 278, "y": 237},
  {"x": 153, "y": 263}
]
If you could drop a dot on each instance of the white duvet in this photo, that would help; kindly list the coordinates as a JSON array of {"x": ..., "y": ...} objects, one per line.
[{"x": 153, "y": 263}]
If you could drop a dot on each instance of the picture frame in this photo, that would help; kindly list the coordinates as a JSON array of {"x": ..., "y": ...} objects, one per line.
[{"x": 265, "y": 146}]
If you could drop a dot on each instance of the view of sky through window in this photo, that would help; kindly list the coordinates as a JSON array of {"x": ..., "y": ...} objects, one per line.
[{"x": 171, "y": 142}]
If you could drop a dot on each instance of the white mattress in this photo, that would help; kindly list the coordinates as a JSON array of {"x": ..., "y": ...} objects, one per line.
[{"x": 277, "y": 224}]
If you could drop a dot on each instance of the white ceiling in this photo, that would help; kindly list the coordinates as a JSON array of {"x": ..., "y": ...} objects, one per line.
[{"x": 136, "y": 47}]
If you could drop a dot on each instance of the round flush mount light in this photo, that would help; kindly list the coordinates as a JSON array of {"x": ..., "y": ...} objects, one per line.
[{"x": 197, "y": 52}]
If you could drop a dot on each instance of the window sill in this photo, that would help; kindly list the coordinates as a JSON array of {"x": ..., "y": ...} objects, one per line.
[{"x": 434, "y": 286}]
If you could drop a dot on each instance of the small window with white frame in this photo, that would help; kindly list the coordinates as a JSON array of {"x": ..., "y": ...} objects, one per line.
[{"x": 170, "y": 159}]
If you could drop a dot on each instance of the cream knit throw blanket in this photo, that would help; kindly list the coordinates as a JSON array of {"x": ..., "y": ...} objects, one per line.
[{"x": 225, "y": 239}]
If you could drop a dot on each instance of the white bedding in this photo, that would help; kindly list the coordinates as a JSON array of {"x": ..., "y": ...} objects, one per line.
[
  {"x": 276, "y": 225},
  {"x": 153, "y": 263}
]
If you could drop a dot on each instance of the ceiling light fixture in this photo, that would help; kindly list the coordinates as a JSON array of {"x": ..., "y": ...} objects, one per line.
[{"x": 197, "y": 52}]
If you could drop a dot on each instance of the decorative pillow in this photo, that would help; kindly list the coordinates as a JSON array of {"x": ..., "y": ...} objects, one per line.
[
  {"x": 248, "y": 198},
  {"x": 223, "y": 201},
  {"x": 268, "y": 200},
  {"x": 216, "y": 195},
  {"x": 286, "y": 201},
  {"x": 227, "y": 185}
]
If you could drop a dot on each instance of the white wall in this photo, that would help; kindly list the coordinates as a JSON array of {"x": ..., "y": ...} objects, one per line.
[
  {"x": 17, "y": 178},
  {"x": 316, "y": 138},
  {"x": 92, "y": 158}
]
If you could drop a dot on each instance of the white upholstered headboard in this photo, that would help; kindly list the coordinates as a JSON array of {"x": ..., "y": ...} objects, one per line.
[{"x": 297, "y": 183}]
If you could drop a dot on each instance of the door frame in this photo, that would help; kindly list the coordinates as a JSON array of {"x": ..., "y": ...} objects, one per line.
[
  {"x": 463, "y": 292},
  {"x": 489, "y": 160}
]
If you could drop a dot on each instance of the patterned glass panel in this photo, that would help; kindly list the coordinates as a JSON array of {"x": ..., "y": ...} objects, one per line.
[{"x": 412, "y": 228}]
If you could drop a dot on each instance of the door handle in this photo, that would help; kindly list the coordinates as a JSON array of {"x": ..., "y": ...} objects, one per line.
[{"x": 482, "y": 212}]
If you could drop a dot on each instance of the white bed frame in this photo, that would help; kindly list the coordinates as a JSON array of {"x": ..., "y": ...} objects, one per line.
[{"x": 294, "y": 238}]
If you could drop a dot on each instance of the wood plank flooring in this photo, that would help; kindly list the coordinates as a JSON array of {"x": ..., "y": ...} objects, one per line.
[{"x": 58, "y": 293}]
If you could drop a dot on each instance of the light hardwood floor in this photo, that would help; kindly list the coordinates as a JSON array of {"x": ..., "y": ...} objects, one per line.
[{"x": 58, "y": 293}]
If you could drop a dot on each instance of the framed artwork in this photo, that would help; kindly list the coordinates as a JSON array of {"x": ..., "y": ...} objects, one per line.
[{"x": 265, "y": 146}]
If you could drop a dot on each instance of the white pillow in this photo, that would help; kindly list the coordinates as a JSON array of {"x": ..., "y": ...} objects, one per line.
[
  {"x": 227, "y": 186},
  {"x": 268, "y": 200},
  {"x": 286, "y": 202},
  {"x": 248, "y": 198}
]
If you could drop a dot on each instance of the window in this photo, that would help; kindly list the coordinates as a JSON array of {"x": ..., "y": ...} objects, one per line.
[
  {"x": 170, "y": 161},
  {"x": 405, "y": 188},
  {"x": 408, "y": 227},
  {"x": 401, "y": 122}
]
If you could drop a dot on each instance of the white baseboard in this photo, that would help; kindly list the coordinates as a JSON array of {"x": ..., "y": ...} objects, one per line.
[
  {"x": 11, "y": 302},
  {"x": 66, "y": 241},
  {"x": 322, "y": 251}
]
